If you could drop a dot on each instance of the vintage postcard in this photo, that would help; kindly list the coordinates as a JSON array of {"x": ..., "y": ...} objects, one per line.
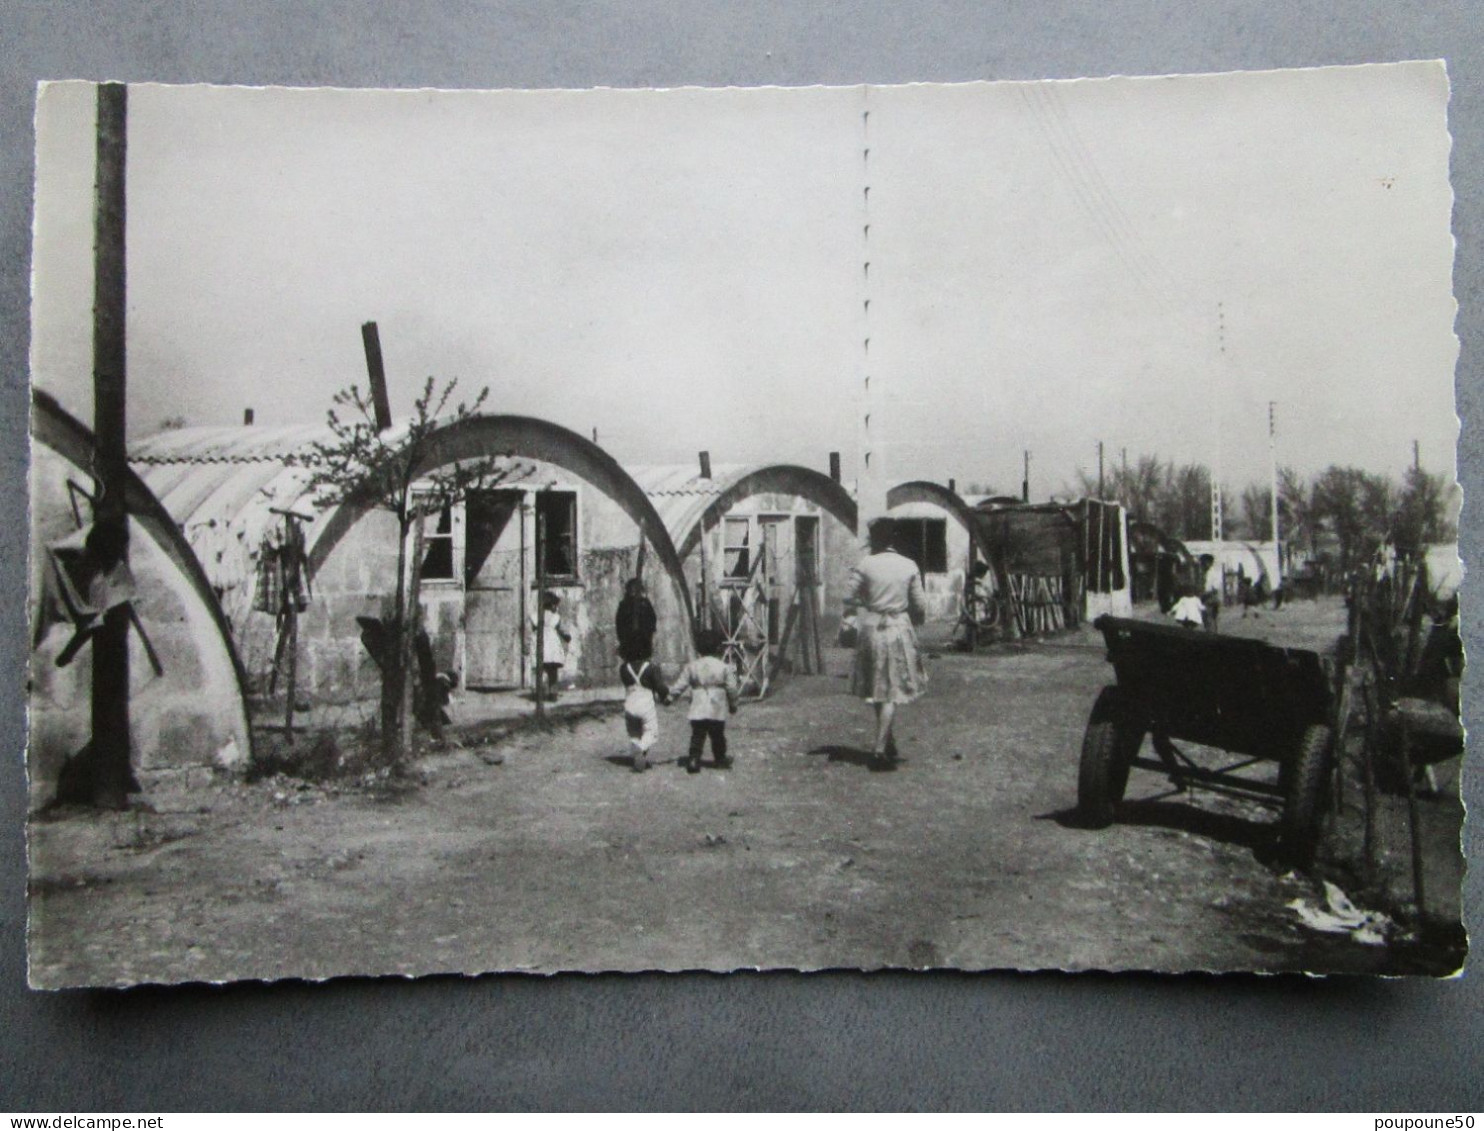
[{"x": 1006, "y": 525}]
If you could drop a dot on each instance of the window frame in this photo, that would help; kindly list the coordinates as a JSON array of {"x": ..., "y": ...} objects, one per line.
[
  {"x": 728, "y": 523},
  {"x": 452, "y": 537},
  {"x": 541, "y": 535},
  {"x": 927, "y": 531}
]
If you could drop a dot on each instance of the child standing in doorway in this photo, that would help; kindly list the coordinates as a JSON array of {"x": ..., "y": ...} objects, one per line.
[
  {"x": 643, "y": 688},
  {"x": 713, "y": 687},
  {"x": 554, "y": 641}
]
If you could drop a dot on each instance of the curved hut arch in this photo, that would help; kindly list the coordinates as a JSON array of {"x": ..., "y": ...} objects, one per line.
[
  {"x": 814, "y": 486},
  {"x": 528, "y": 437},
  {"x": 923, "y": 491},
  {"x": 58, "y": 430}
]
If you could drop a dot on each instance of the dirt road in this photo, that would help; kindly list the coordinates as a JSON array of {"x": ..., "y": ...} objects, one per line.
[{"x": 562, "y": 858}]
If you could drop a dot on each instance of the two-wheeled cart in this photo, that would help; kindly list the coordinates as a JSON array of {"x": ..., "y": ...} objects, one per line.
[{"x": 1255, "y": 700}]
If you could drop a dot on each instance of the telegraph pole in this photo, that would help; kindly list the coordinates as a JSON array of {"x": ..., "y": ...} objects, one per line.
[
  {"x": 872, "y": 488},
  {"x": 1217, "y": 517},
  {"x": 108, "y": 544},
  {"x": 1100, "y": 470},
  {"x": 1025, "y": 481},
  {"x": 1273, "y": 480}
]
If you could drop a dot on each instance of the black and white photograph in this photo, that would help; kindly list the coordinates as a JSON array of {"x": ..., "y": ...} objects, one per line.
[{"x": 1005, "y": 525}]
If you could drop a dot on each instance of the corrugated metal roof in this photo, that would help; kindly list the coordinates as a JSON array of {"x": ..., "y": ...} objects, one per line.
[
  {"x": 221, "y": 485},
  {"x": 226, "y": 444},
  {"x": 681, "y": 496}
]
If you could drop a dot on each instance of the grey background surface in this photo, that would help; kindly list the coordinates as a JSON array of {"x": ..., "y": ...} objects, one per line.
[{"x": 775, "y": 1040}]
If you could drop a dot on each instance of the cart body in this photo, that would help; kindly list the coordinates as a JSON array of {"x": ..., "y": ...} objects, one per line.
[
  {"x": 1249, "y": 698},
  {"x": 1241, "y": 695}
]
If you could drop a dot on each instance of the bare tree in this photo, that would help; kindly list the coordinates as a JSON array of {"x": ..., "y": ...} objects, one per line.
[
  {"x": 1177, "y": 499},
  {"x": 394, "y": 470},
  {"x": 1297, "y": 518},
  {"x": 1139, "y": 486},
  {"x": 1257, "y": 513},
  {"x": 1187, "y": 513},
  {"x": 1424, "y": 514},
  {"x": 1359, "y": 508}
]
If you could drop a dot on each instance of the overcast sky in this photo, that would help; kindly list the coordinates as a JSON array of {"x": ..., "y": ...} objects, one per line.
[{"x": 1049, "y": 265}]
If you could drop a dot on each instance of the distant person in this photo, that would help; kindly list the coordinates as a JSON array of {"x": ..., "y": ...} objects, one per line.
[
  {"x": 1188, "y": 611},
  {"x": 978, "y": 611},
  {"x": 1245, "y": 594},
  {"x": 1259, "y": 595},
  {"x": 885, "y": 590},
  {"x": 1212, "y": 600},
  {"x": 554, "y": 641},
  {"x": 981, "y": 592},
  {"x": 713, "y": 687},
  {"x": 636, "y": 623},
  {"x": 1214, "y": 581},
  {"x": 644, "y": 688}
]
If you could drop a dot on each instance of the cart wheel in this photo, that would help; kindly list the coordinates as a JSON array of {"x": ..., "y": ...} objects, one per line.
[
  {"x": 1108, "y": 748},
  {"x": 1303, "y": 805}
]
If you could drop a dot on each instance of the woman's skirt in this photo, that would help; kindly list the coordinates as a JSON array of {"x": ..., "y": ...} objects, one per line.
[{"x": 888, "y": 666}]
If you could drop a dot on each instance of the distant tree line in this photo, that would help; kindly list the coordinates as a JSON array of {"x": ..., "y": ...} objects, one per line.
[{"x": 1357, "y": 509}]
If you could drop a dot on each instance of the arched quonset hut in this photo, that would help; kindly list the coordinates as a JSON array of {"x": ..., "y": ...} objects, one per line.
[
  {"x": 765, "y": 528},
  {"x": 935, "y": 527},
  {"x": 1159, "y": 565},
  {"x": 1230, "y": 561},
  {"x": 192, "y": 714},
  {"x": 481, "y": 559}
]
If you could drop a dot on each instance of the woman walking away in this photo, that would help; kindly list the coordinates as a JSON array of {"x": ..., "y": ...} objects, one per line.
[
  {"x": 643, "y": 685},
  {"x": 886, "y": 592},
  {"x": 713, "y": 687},
  {"x": 636, "y": 623},
  {"x": 554, "y": 641}
]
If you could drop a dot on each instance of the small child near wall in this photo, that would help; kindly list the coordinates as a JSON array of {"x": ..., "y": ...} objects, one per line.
[{"x": 554, "y": 641}]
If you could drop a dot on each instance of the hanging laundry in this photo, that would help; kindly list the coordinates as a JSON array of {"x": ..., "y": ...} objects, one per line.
[{"x": 87, "y": 574}]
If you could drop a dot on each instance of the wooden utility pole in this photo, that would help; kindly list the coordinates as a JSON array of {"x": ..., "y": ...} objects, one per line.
[
  {"x": 1273, "y": 486},
  {"x": 540, "y": 607},
  {"x": 113, "y": 778},
  {"x": 1025, "y": 481},
  {"x": 1100, "y": 470},
  {"x": 376, "y": 372},
  {"x": 407, "y": 639}
]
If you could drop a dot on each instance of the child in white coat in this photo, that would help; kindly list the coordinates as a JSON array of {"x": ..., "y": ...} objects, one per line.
[
  {"x": 714, "y": 688},
  {"x": 554, "y": 641}
]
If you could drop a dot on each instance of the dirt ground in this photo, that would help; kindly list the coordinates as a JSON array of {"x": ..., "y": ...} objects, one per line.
[{"x": 560, "y": 857}]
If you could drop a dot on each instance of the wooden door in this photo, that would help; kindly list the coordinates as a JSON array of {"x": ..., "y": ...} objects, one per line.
[
  {"x": 777, "y": 570},
  {"x": 494, "y": 608}
]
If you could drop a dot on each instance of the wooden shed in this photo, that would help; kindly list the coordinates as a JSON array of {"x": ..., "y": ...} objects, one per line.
[{"x": 1059, "y": 563}]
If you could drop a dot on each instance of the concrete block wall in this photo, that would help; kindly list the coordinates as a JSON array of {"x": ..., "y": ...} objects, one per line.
[
  {"x": 358, "y": 578},
  {"x": 191, "y": 715}
]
